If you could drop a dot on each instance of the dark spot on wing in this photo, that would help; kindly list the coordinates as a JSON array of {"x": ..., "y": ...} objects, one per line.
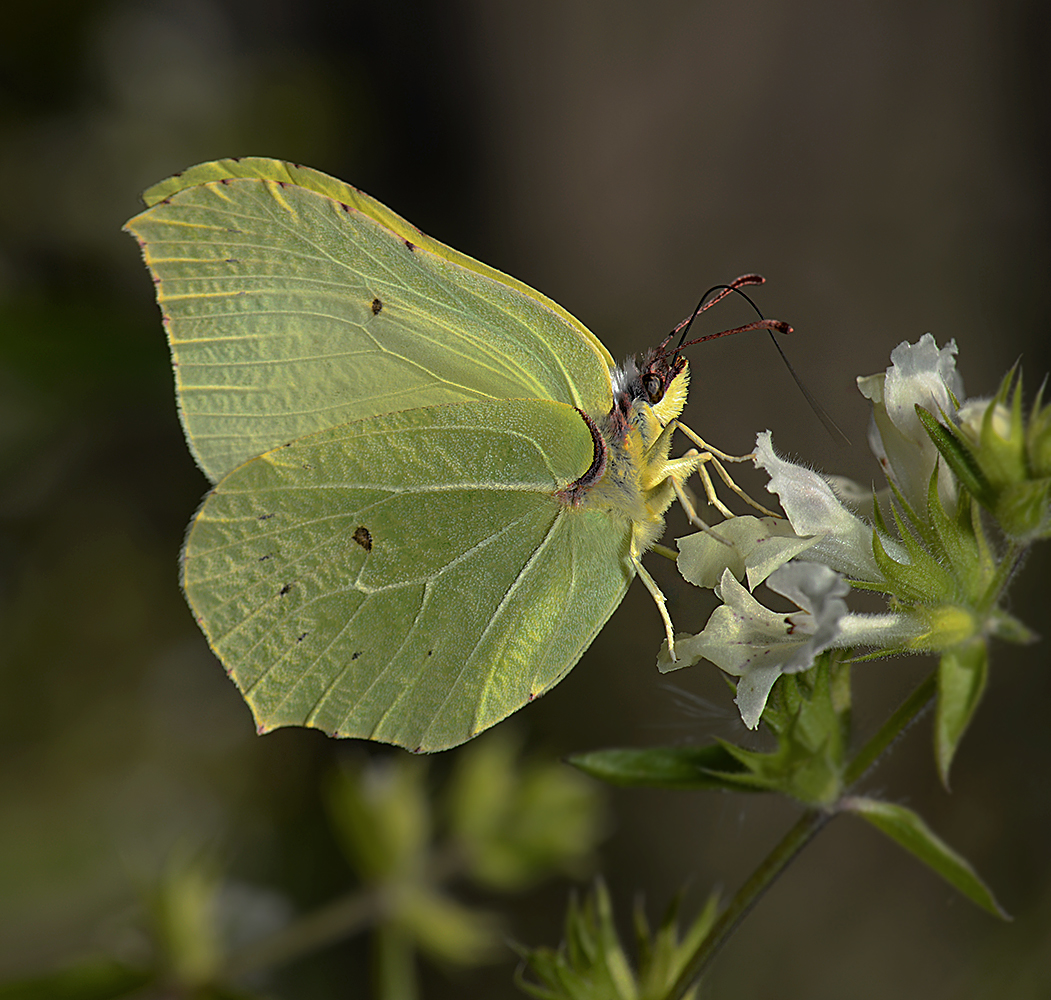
[
  {"x": 376, "y": 307},
  {"x": 284, "y": 590},
  {"x": 363, "y": 537}
]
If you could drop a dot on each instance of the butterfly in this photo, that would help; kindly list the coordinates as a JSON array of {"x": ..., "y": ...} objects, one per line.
[{"x": 432, "y": 485}]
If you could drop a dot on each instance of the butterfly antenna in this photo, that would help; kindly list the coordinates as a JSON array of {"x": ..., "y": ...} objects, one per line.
[
  {"x": 771, "y": 325},
  {"x": 819, "y": 411}
]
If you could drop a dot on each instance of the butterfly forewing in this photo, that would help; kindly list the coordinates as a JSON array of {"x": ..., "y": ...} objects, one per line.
[{"x": 289, "y": 311}]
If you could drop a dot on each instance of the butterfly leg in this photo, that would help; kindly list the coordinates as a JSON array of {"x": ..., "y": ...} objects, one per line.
[
  {"x": 716, "y": 458},
  {"x": 656, "y": 593}
]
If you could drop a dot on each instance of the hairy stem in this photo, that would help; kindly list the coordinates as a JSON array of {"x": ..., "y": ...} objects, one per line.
[
  {"x": 904, "y": 716},
  {"x": 806, "y": 828}
]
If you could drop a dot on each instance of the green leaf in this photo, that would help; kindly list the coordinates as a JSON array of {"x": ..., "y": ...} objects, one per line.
[
  {"x": 907, "y": 829},
  {"x": 681, "y": 768},
  {"x": 962, "y": 674}
]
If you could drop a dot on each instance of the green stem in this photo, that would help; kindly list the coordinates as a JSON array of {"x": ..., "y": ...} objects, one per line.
[
  {"x": 805, "y": 829},
  {"x": 394, "y": 964},
  {"x": 337, "y": 920},
  {"x": 907, "y": 713},
  {"x": 342, "y": 918}
]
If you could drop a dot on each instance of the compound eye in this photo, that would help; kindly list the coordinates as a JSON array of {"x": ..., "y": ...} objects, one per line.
[{"x": 654, "y": 386}]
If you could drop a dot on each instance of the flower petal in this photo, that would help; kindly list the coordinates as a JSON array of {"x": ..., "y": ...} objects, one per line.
[
  {"x": 814, "y": 509},
  {"x": 923, "y": 375},
  {"x": 758, "y": 545}
]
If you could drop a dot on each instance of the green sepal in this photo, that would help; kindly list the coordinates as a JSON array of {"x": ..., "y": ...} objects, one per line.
[
  {"x": 94, "y": 980},
  {"x": 956, "y": 538},
  {"x": 1022, "y": 508},
  {"x": 1007, "y": 475},
  {"x": 958, "y": 455},
  {"x": 928, "y": 536},
  {"x": 678, "y": 768},
  {"x": 1004, "y": 459},
  {"x": 663, "y": 956},
  {"x": 809, "y": 714},
  {"x": 1007, "y": 628},
  {"x": 923, "y": 577},
  {"x": 907, "y": 829},
  {"x": 962, "y": 674},
  {"x": 1038, "y": 438},
  {"x": 591, "y": 963}
]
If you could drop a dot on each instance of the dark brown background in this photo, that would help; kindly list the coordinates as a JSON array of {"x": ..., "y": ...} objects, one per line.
[{"x": 885, "y": 165}]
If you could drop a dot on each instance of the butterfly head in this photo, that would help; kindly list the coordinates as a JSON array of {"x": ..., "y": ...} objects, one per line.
[{"x": 650, "y": 390}]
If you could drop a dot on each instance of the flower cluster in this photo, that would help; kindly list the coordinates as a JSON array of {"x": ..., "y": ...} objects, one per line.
[{"x": 921, "y": 542}]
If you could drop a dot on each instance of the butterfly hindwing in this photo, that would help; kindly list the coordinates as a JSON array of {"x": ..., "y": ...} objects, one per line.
[{"x": 411, "y": 577}]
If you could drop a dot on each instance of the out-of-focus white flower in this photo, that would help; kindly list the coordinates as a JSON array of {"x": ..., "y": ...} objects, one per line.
[{"x": 919, "y": 374}]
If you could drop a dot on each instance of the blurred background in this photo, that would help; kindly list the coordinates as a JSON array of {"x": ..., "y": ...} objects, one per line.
[{"x": 886, "y": 166}]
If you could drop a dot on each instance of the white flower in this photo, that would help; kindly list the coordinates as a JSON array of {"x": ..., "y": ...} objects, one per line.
[
  {"x": 919, "y": 374},
  {"x": 751, "y": 642},
  {"x": 845, "y": 542},
  {"x": 746, "y": 545},
  {"x": 972, "y": 415}
]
